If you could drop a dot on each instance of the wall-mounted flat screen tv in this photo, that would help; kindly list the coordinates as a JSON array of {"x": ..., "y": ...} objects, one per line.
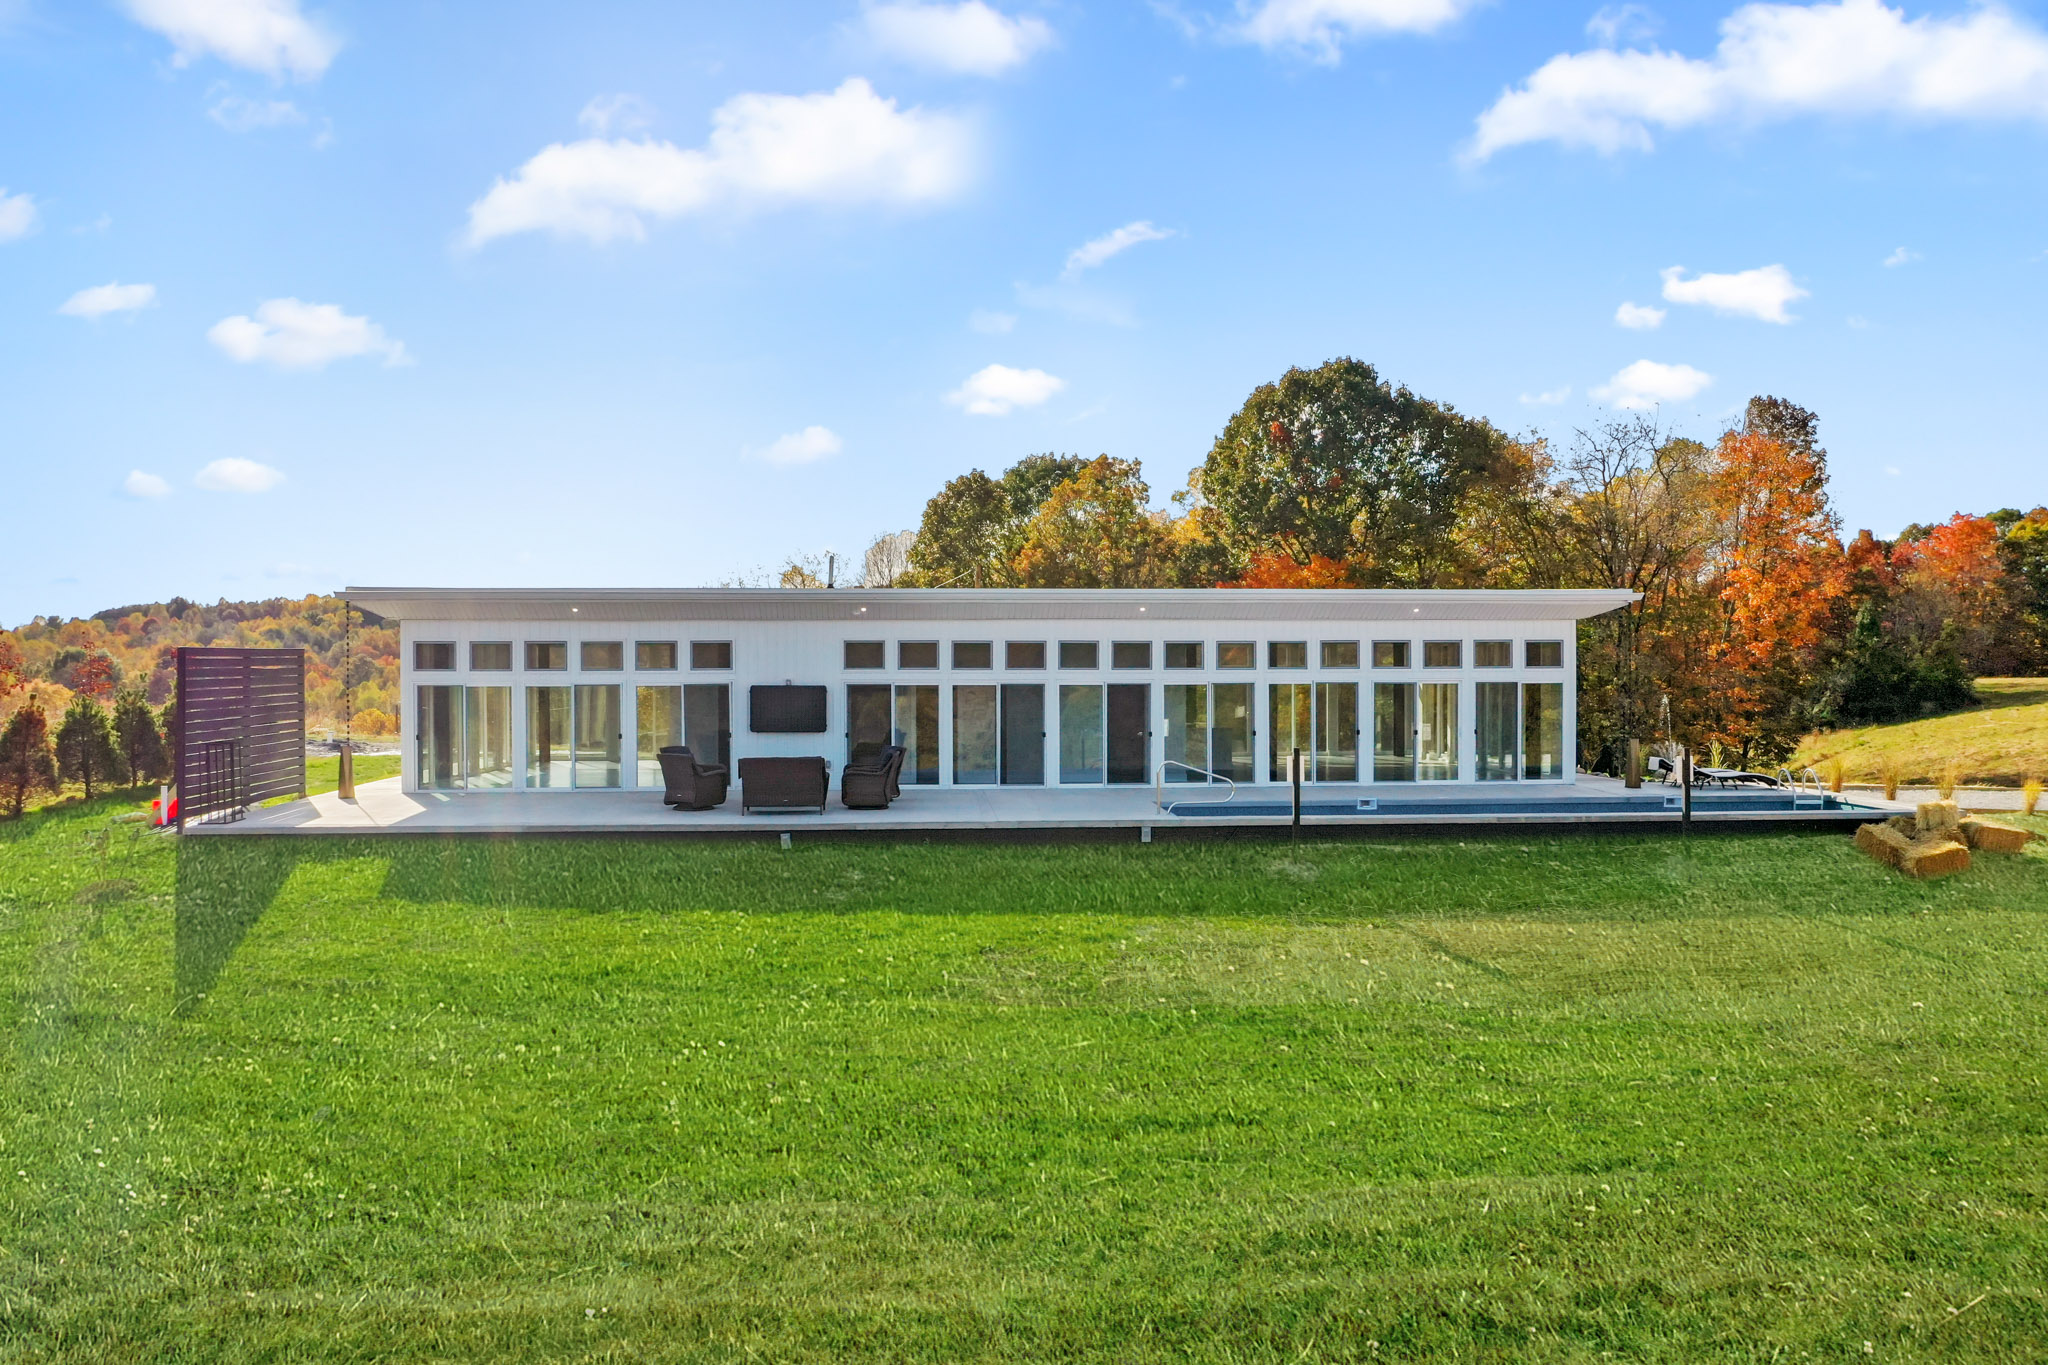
[{"x": 786, "y": 710}]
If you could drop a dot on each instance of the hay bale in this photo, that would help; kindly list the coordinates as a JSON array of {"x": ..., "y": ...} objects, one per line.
[
  {"x": 1883, "y": 842},
  {"x": 1937, "y": 817},
  {"x": 1931, "y": 858},
  {"x": 1992, "y": 837}
]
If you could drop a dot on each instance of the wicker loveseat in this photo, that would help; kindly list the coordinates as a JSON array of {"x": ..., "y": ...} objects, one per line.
[{"x": 784, "y": 783}]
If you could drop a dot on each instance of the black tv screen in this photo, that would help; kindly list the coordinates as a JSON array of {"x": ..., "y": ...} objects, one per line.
[{"x": 786, "y": 710}]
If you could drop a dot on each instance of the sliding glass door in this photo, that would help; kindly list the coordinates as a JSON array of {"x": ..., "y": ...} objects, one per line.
[
  {"x": 547, "y": 736},
  {"x": 1231, "y": 753},
  {"x": 658, "y": 712},
  {"x": 1437, "y": 733},
  {"x": 1081, "y": 743},
  {"x": 1290, "y": 728},
  {"x": 707, "y": 722},
  {"x": 1023, "y": 734},
  {"x": 1186, "y": 733},
  {"x": 1498, "y": 749},
  {"x": 869, "y": 720},
  {"x": 974, "y": 736},
  {"x": 917, "y": 730},
  {"x": 599, "y": 732},
  {"x": 1128, "y": 717},
  {"x": 1393, "y": 732},
  {"x": 438, "y": 733},
  {"x": 1336, "y": 732},
  {"x": 1543, "y": 755},
  {"x": 486, "y": 737}
]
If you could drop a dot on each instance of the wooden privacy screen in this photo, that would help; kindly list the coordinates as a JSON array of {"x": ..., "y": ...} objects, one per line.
[{"x": 240, "y": 729}]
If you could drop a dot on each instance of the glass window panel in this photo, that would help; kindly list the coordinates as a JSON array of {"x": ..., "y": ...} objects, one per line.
[
  {"x": 1289, "y": 711},
  {"x": 973, "y": 654},
  {"x": 1436, "y": 738},
  {"x": 547, "y": 656},
  {"x": 655, "y": 656},
  {"x": 1545, "y": 654},
  {"x": 1079, "y": 654},
  {"x": 491, "y": 656},
  {"x": 865, "y": 654},
  {"x": 1443, "y": 653},
  {"x": 1542, "y": 730},
  {"x": 1236, "y": 654},
  {"x": 1024, "y": 654},
  {"x": 433, "y": 655},
  {"x": 1393, "y": 732},
  {"x": 869, "y": 721},
  {"x": 1023, "y": 734},
  {"x": 1127, "y": 751},
  {"x": 547, "y": 736},
  {"x": 1287, "y": 654},
  {"x": 710, "y": 654},
  {"x": 1130, "y": 654},
  {"x": 1230, "y": 731},
  {"x": 602, "y": 656},
  {"x": 917, "y": 654},
  {"x": 1389, "y": 653},
  {"x": 487, "y": 737},
  {"x": 1081, "y": 734},
  {"x": 1340, "y": 654},
  {"x": 1183, "y": 653},
  {"x": 1336, "y": 732},
  {"x": 598, "y": 732},
  {"x": 707, "y": 722},
  {"x": 1499, "y": 731},
  {"x": 1493, "y": 654},
  {"x": 437, "y": 730},
  {"x": 917, "y": 730},
  {"x": 974, "y": 736},
  {"x": 659, "y": 713},
  {"x": 1186, "y": 738}
]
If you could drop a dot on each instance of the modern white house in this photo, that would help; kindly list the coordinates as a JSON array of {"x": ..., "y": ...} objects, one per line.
[{"x": 568, "y": 690}]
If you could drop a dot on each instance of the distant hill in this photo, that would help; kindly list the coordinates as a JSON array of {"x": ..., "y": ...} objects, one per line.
[
  {"x": 2000, "y": 743},
  {"x": 141, "y": 640}
]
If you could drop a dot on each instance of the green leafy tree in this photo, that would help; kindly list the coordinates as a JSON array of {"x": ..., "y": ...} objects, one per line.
[
  {"x": 1336, "y": 463},
  {"x": 973, "y": 529},
  {"x": 1096, "y": 531},
  {"x": 143, "y": 751},
  {"x": 86, "y": 751},
  {"x": 26, "y": 764}
]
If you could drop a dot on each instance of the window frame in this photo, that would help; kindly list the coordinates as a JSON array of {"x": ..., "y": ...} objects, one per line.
[
  {"x": 1009, "y": 657},
  {"x": 583, "y": 664},
  {"x": 1529, "y": 648},
  {"x": 903, "y": 664},
  {"x": 880, "y": 665},
  {"x": 1457, "y": 648},
  {"x": 1273, "y": 648},
  {"x": 419, "y": 648},
  {"x": 527, "y": 656},
  {"x": 1323, "y": 653},
  {"x": 675, "y": 655},
  {"x": 1251, "y": 655},
  {"x": 953, "y": 655},
  {"x": 1094, "y": 648},
  {"x": 475, "y": 667},
  {"x": 1506, "y": 646},
  {"x": 1404, "y": 651},
  {"x": 1120, "y": 647},
  {"x": 725, "y": 667}
]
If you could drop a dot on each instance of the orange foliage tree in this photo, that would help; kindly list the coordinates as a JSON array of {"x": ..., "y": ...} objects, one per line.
[{"x": 1280, "y": 571}]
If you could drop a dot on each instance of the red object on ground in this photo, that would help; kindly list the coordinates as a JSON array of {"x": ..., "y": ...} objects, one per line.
[{"x": 157, "y": 814}]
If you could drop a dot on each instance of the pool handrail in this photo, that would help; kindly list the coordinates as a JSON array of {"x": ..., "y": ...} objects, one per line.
[{"x": 1159, "y": 786}]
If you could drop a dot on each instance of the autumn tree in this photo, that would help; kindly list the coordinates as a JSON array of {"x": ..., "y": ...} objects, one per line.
[
  {"x": 973, "y": 528},
  {"x": 94, "y": 676},
  {"x": 13, "y": 672},
  {"x": 141, "y": 745},
  {"x": 1095, "y": 530},
  {"x": 1336, "y": 463},
  {"x": 26, "y": 763},
  {"x": 86, "y": 751}
]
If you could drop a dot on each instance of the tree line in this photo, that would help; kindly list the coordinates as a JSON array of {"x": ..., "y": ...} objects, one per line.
[{"x": 1757, "y": 623}]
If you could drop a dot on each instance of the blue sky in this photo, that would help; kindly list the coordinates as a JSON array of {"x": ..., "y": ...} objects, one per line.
[{"x": 305, "y": 292}]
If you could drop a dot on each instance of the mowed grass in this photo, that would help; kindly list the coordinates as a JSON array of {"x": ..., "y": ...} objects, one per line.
[
  {"x": 1524, "y": 1098},
  {"x": 324, "y": 774},
  {"x": 2000, "y": 743}
]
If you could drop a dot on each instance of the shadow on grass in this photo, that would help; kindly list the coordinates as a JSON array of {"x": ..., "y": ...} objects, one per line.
[{"x": 223, "y": 887}]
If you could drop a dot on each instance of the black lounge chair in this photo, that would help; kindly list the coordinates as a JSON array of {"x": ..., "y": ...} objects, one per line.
[
  {"x": 872, "y": 785},
  {"x": 691, "y": 785},
  {"x": 1667, "y": 771}
]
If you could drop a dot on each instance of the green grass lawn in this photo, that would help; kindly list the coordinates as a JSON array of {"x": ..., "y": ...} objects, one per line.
[
  {"x": 2000, "y": 743},
  {"x": 1529, "y": 1098},
  {"x": 324, "y": 774}
]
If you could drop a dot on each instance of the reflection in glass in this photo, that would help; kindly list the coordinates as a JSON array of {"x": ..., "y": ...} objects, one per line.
[
  {"x": 917, "y": 730},
  {"x": 659, "y": 713},
  {"x": 597, "y": 734},
  {"x": 1290, "y": 727},
  {"x": 487, "y": 737},
  {"x": 1542, "y": 730},
  {"x": 547, "y": 736},
  {"x": 1336, "y": 732},
  {"x": 1080, "y": 734},
  {"x": 707, "y": 722},
  {"x": 867, "y": 722},
  {"x": 1393, "y": 732},
  {"x": 1023, "y": 734},
  {"x": 1187, "y": 730},
  {"x": 974, "y": 736},
  {"x": 1437, "y": 737},
  {"x": 1499, "y": 730},
  {"x": 439, "y": 734},
  {"x": 1230, "y": 732}
]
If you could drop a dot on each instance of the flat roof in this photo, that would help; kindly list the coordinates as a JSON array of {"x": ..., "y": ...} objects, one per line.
[{"x": 981, "y": 604}]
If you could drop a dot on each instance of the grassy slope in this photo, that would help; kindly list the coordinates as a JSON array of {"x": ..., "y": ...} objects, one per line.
[
  {"x": 1525, "y": 1099},
  {"x": 1999, "y": 743}
]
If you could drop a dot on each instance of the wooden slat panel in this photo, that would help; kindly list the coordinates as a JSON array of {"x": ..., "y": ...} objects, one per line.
[{"x": 253, "y": 700}]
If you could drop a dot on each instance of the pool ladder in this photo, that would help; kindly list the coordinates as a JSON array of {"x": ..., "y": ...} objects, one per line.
[
  {"x": 1818, "y": 799},
  {"x": 1159, "y": 786}
]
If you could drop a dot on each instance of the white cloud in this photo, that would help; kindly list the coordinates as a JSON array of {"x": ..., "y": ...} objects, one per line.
[
  {"x": 607, "y": 114},
  {"x": 1091, "y": 254},
  {"x": 103, "y": 299},
  {"x": 303, "y": 336},
  {"x": 1647, "y": 383},
  {"x": 1617, "y": 24},
  {"x": 141, "y": 485},
  {"x": 996, "y": 389},
  {"x": 271, "y": 36},
  {"x": 990, "y": 323},
  {"x": 1779, "y": 61},
  {"x": 240, "y": 115},
  {"x": 970, "y": 38},
  {"x": 1322, "y": 26},
  {"x": 1901, "y": 257},
  {"x": 236, "y": 475},
  {"x": 1639, "y": 317},
  {"x": 802, "y": 447},
  {"x": 1761, "y": 293},
  {"x": 849, "y": 146},
  {"x": 1549, "y": 397},
  {"x": 17, "y": 215}
]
